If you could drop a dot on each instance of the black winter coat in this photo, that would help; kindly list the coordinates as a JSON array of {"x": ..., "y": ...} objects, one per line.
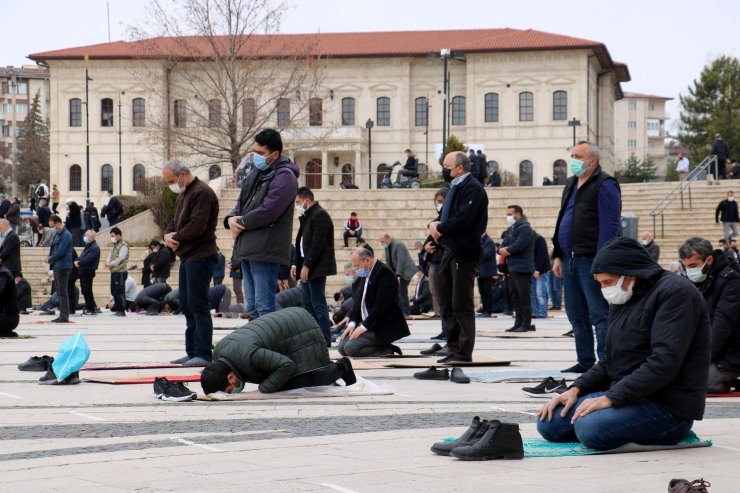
[
  {"x": 519, "y": 242},
  {"x": 10, "y": 252},
  {"x": 467, "y": 220},
  {"x": 317, "y": 232},
  {"x": 273, "y": 348}
]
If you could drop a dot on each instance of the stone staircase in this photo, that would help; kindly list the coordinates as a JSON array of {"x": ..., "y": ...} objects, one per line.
[{"x": 404, "y": 214}]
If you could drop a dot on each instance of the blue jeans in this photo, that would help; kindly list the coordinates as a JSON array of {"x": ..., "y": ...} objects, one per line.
[
  {"x": 260, "y": 286},
  {"x": 314, "y": 301},
  {"x": 586, "y": 308},
  {"x": 539, "y": 296},
  {"x": 555, "y": 290},
  {"x": 195, "y": 277},
  {"x": 645, "y": 423}
]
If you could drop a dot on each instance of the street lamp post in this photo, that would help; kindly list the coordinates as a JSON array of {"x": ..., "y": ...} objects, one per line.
[
  {"x": 15, "y": 186},
  {"x": 87, "y": 136},
  {"x": 426, "y": 133},
  {"x": 574, "y": 123},
  {"x": 369, "y": 124},
  {"x": 445, "y": 54},
  {"x": 120, "y": 153}
]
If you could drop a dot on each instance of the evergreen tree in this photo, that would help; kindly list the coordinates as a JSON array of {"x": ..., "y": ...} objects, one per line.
[
  {"x": 647, "y": 169},
  {"x": 632, "y": 172},
  {"x": 712, "y": 106},
  {"x": 33, "y": 147},
  {"x": 453, "y": 144}
]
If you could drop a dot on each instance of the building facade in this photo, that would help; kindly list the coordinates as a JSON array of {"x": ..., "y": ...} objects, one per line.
[
  {"x": 510, "y": 93},
  {"x": 639, "y": 129}
]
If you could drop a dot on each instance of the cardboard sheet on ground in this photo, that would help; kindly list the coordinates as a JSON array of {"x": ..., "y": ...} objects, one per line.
[
  {"x": 537, "y": 447},
  {"x": 19, "y": 336},
  {"x": 140, "y": 380},
  {"x": 422, "y": 362},
  {"x": 520, "y": 335},
  {"x": 45, "y": 321},
  {"x": 363, "y": 387},
  {"x": 423, "y": 317},
  {"x": 134, "y": 366},
  {"x": 494, "y": 376}
]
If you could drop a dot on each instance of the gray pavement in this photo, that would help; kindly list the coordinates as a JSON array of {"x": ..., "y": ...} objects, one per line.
[{"x": 116, "y": 438}]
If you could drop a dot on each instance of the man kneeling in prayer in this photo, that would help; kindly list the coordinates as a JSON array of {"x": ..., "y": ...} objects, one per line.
[
  {"x": 282, "y": 350},
  {"x": 652, "y": 385}
]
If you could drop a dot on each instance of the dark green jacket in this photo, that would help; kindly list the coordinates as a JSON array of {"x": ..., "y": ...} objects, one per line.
[{"x": 273, "y": 348}]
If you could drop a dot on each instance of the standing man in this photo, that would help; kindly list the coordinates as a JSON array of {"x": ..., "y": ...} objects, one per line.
[
  {"x": 588, "y": 218},
  {"x": 60, "y": 262},
  {"x": 485, "y": 271},
  {"x": 113, "y": 210},
  {"x": 722, "y": 151},
  {"x": 44, "y": 213},
  {"x": 261, "y": 224},
  {"x": 192, "y": 236},
  {"x": 647, "y": 240},
  {"x": 315, "y": 258},
  {"x": 399, "y": 260},
  {"x": 87, "y": 264},
  {"x": 74, "y": 222},
  {"x": 463, "y": 220},
  {"x": 518, "y": 250},
  {"x": 54, "y": 199},
  {"x": 13, "y": 214},
  {"x": 682, "y": 166},
  {"x": 10, "y": 248},
  {"x": 117, "y": 263},
  {"x": 42, "y": 191},
  {"x": 727, "y": 213},
  {"x": 540, "y": 277}
]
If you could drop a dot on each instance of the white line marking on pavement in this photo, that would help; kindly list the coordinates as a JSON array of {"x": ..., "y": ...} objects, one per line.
[
  {"x": 512, "y": 411},
  {"x": 727, "y": 448},
  {"x": 12, "y": 396},
  {"x": 336, "y": 487},
  {"x": 188, "y": 442},
  {"x": 88, "y": 416}
]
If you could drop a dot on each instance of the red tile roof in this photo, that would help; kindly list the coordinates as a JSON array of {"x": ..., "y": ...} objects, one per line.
[
  {"x": 25, "y": 72},
  {"x": 343, "y": 45}
]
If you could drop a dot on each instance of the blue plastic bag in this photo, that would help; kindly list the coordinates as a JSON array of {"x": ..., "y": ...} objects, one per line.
[{"x": 72, "y": 356}]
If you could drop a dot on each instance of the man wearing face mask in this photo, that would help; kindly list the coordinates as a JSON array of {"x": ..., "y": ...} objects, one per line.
[
  {"x": 10, "y": 247},
  {"x": 463, "y": 220},
  {"x": 652, "y": 384},
  {"x": 261, "y": 223},
  {"x": 434, "y": 252},
  {"x": 518, "y": 250},
  {"x": 192, "y": 236},
  {"x": 727, "y": 213},
  {"x": 87, "y": 265},
  {"x": 646, "y": 240},
  {"x": 718, "y": 280},
  {"x": 399, "y": 260},
  {"x": 315, "y": 258},
  {"x": 589, "y": 217},
  {"x": 117, "y": 263},
  {"x": 60, "y": 263}
]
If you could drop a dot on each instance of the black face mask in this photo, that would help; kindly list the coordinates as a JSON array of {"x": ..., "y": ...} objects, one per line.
[{"x": 446, "y": 175}]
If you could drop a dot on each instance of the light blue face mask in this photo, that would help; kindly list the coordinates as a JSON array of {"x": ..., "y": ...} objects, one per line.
[
  {"x": 260, "y": 161},
  {"x": 361, "y": 272},
  {"x": 237, "y": 390}
]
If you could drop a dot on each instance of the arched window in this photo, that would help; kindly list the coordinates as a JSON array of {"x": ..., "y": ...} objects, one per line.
[
  {"x": 458, "y": 110},
  {"x": 315, "y": 112},
  {"x": 180, "y": 113},
  {"x": 75, "y": 179},
  {"x": 106, "y": 112},
  {"x": 214, "y": 113},
  {"x": 214, "y": 172},
  {"x": 75, "y": 112},
  {"x": 348, "y": 111},
  {"x": 138, "y": 106},
  {"x": 525, "y": 173},
  {"x": 139, "y": 178},
  {"x": 421, "y": 107},
  {"x": 106, "y": 177},
  {"x": 560, "y": 105},
  {"x": 383, "y": 115},
  {"x": 249, "y": 112},
  {"x": 491, "y": 107},
  {"x": 526, "y": 106},
  {"x": 283, "y": 112}
]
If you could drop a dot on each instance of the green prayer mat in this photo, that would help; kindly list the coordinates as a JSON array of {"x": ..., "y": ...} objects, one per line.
[{"x": 538, "y": 447}]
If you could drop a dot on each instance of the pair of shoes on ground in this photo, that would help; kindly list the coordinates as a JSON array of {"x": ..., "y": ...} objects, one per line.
[
  {"x": 191, "y": 361},
  {"x": 37, "y": 363},
  {"x": 684, "y": 486},
  {"x": 172, "y": 391},
  {"x": 50, "y": 378},
  {"x": 484, "y": 440},
  {"x": 521, "y": 328},
  {"x": 455, "y": 375},
  {"x": 549, "y": 387}
]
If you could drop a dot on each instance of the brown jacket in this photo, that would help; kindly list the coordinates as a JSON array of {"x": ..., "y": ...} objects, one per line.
[{"x": 196, "y": 212}]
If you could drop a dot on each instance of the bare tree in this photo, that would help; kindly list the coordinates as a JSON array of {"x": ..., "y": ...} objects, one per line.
[{"x": 226, "y": 76}]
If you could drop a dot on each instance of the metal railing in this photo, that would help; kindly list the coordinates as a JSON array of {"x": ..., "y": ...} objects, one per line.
[{"x": 709, "y": 164}]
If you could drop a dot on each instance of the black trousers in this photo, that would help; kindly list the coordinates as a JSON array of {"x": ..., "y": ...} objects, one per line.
[
  {"x": 521, "y": 297},
  {"x": 456, "y": 286},
  {"x": 61, "y": 279},
  {"x": 118, "y": 290},
  {"x": 8, "y": 323},
  {"x": 485, "y": 289},
  {"x": 325, "y": 375},
  {"x": 86, "y": 286}
]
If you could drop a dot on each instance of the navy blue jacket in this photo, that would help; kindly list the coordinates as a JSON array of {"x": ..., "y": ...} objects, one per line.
[
  {"x": 487, "y": 264},
  {"x": 60, "y": 252},
  {"x": 90, "y": 258},
  {"x": 519, "y": 242},
  {"x": 467, "y": 220}
]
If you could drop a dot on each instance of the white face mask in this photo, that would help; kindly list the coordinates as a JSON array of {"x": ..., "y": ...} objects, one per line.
[
  {"x": 731, "y": 199},
  {"x": 644, "y": 242},
  {"x": 616, "y": 295},
  {"x": 439, "y": 207},
  {"x": 415, "y": 278},
  {"x": 510, "y": 219},
  {"x": 300, "y": 209},
  {"x": 695, "y": 274},
  {"x": 175, "y": 187},
  {"x": 349, "y": 279},
  {"x": 113, "y": 240}
]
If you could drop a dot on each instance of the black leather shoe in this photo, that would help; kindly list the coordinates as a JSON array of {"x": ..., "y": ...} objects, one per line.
[
  {"x": 501, "y": 441},
  {"x": 60, "y": 320},
  {"x": 459, "y": 376},
  {"x": 473, "y": 434},
  {"x": 513, "y": 329},
  {"x": 447, "y": 358},
  {"x": 568, "y": 334},
  {"x": 433, "y": 374},
  {"x": 37, "y": 363},
  {"x": 461, "y": 358},
  {"x": 431, "y": 350},
  {"x": 439, "y": 337},
  {"x": 445, "y": 351},
  {"x": 396, "y": 350},
  {"x": 577, "y": 368},
  {"x": 348, "y": 374},
  {"x": 522, "y": 328}
]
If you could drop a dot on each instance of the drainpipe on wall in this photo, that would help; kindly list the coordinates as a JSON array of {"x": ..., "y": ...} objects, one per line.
[{"x": 168, "y": 137}]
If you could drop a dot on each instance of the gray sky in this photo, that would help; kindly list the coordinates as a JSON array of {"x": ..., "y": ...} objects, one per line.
[{"x": 664, "y": 43}]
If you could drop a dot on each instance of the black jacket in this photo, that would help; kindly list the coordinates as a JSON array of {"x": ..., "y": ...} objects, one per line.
[
  {"x": 487, "y": 263},
  {"x": 468, "y": 219},
  {"x": 658, "y": 343},
  {"x": 13, "y": 214},
  {"x": 423, "y": 301},
  {"x": 89, "y": 258},
  {"x": 519, "y": 242},
  {"x": 10, "y": 253},
  {"x": 720, "y": 149},
  {"x": 384, "y": 316},
  {"x": 44, "y": 213},
  {"x": 316, "y": 231},
  {"x": 721, "y": 289},
  {"x": 162, "y": 263},
  {"x": 23, "y": 290},
  {"x": 541, "y": 256},
  {"x": 726, "y": 212},
  {"x": 8, "y": 299},
  {"x": 74, "y": 218}
]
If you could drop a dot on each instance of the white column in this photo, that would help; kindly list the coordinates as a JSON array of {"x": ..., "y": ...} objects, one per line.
[
  {"x": 324, "y": 170},
  {"x": 359, "y": 175}
]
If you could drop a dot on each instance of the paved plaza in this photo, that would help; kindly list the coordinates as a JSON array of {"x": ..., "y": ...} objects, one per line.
[{"x": 117, "y": 438}]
